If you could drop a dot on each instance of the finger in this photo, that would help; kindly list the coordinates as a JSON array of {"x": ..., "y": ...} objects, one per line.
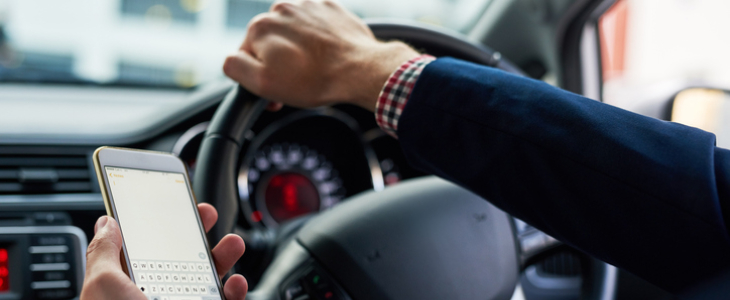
[
  {"x": 274, "y": 106},
  {"x": 244, "y": 69},
  {"x": 208, "y": 215},
  {"x": 103, "y": 251},
  {"x": 227, "y": 253},
  {"x": 236, "y": 287},
  {"x": 284, "y": 7}
]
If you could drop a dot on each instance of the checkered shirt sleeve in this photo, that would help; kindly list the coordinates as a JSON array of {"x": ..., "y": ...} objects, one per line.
[{"x": 397, "y": 90}]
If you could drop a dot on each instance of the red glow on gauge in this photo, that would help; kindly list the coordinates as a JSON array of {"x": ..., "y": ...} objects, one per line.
[
  {"x": 256, "y": 216},
  {"x": 289, "y": 195},
  {"x": 291, "y": 200},
  {"x": 3, "y": 255}
]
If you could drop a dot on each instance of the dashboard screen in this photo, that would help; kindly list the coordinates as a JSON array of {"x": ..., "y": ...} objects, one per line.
[{"x": 164, "y": 243}]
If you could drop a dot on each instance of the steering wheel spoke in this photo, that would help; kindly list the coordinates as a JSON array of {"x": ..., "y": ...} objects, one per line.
[{"x": 533, "y": 242}]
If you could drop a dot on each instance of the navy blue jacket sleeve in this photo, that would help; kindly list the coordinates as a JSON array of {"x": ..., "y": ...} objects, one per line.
[{"x": 639, "y": 193}]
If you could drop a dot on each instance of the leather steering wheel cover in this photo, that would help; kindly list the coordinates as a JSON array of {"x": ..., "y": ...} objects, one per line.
[
  {"x": 440, "y": 42},
  {"x": 217, "y": 161}
]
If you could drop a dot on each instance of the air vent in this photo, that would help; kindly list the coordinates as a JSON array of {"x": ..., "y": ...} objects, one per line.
[{"x": 44, "y": 174}]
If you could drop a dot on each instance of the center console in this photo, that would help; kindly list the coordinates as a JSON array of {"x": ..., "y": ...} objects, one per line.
[{"x": 40, "y": 261}]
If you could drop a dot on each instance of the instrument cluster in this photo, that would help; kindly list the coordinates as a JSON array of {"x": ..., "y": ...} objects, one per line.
[{"x": 299, "y": 162}]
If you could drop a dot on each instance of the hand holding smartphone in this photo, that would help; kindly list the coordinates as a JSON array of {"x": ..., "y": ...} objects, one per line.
[{"x": 165, "y": 251}]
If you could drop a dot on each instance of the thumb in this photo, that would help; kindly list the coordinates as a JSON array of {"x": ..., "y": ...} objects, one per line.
[
  {"x": 245, "y": 69},
  {"x": 104, "y": 250}
]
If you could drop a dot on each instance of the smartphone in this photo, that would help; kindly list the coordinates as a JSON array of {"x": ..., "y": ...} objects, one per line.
[{"x": 165, "y": 251}]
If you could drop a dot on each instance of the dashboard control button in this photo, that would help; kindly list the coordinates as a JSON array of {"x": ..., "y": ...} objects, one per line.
[
  {"x": 327, "y": 294},
  {"x": 294, "y": 291},
  {"x": 315, "y": 280}
]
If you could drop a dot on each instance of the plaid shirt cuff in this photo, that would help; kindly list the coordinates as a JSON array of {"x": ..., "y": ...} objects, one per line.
[{"x": 396, "y": 92}]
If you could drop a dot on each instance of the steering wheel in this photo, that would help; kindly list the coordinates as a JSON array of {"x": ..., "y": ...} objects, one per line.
[{"x": 422, "y": 239}]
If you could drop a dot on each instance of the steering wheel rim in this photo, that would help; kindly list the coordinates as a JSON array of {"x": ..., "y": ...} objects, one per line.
[{"x": 218, "y": 158}]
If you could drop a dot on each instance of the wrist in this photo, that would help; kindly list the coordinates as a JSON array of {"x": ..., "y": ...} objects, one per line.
[{"x": 379, "y": 65}]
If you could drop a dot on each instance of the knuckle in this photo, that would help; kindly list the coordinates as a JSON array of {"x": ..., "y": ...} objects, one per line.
[
  {"x": 283, "y": 7},
  {"x": 260, "y": 24},
  {"x": 95, "y": 245}
]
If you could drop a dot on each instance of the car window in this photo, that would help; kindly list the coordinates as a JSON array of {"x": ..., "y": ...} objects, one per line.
[
  {"x": 652, "y": 49},
  {"x": 162, "y": 43}
]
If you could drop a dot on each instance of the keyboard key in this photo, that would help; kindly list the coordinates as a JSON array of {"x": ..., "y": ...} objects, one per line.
[{"x": 175, "y": 280}]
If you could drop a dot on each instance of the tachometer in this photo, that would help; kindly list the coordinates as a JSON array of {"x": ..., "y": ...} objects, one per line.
[{"x": 284, "y": 181}]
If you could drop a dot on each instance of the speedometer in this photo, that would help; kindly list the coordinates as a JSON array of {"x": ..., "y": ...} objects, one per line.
[{"x": 287, "y": 180}]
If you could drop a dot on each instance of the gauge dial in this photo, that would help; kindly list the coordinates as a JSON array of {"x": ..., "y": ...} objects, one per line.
[{"x": 284, "y": 181}]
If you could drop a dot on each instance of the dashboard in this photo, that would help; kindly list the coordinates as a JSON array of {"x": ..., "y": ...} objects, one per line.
[{"x": 295, "y": 163}]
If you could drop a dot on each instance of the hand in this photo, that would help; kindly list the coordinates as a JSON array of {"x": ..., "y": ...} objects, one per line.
[
  {"x": 312, "y": 53},
  {"x": 106, "y": 280}
]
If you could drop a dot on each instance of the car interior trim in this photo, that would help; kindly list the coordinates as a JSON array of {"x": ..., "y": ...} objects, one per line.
[
  {"x": 73, "y": 230},
  {"x": 199, "y": 100},
  {"x": 90, "y": 201}
]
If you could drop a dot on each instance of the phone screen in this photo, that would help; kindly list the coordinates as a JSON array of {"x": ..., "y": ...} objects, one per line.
[{"x": 163, "y": 240}]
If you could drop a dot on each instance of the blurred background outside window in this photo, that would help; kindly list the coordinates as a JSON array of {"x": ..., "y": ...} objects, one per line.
[
  {"x": 651, "y": 49},
  {"x": 176, "y": 43}
]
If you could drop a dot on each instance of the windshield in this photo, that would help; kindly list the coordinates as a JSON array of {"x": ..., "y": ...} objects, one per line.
[{"x": 161, "y": 43}]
